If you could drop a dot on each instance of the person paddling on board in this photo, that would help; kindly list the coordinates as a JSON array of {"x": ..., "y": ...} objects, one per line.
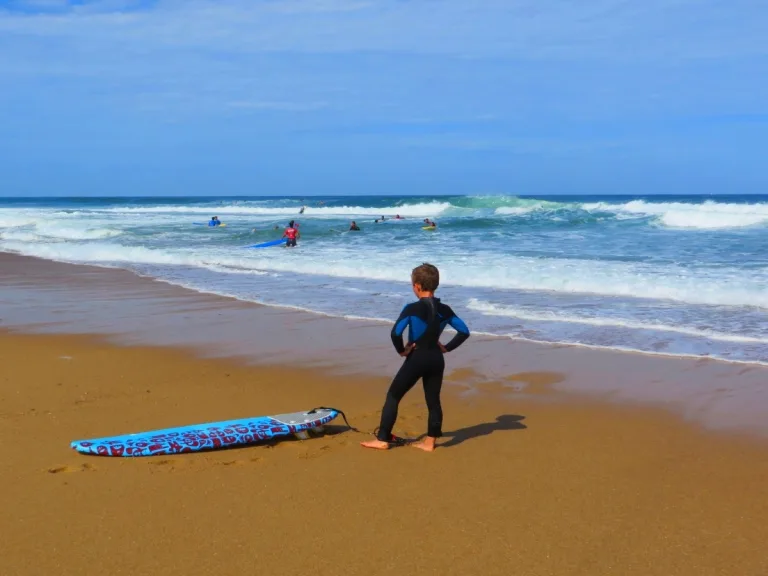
[
  {"x": 212, "y": 221},
  {"x": 354, "y": 227},
  {"x": 425, "y": 319},
  {"x": 291, "y": 234}
]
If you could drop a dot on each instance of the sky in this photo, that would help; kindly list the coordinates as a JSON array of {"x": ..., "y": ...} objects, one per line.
[{"x": 328, "y": 97}]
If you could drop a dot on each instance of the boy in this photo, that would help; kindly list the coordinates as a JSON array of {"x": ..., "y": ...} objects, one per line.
[{"x": 425, "y": 320}]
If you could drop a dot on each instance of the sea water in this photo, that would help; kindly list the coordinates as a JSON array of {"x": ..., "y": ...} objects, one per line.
[{"x": 684, "y": 275}]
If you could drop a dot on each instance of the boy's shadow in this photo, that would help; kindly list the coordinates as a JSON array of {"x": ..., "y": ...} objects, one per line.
[{"x": 503, "y": 422}]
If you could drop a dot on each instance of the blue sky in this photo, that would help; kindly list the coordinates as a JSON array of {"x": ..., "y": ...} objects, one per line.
[{"x": 158, "y": 97}]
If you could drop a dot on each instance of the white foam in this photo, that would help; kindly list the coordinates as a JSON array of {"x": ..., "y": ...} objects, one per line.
[
  {"x": 515, "y": 210},
  {"x": 708, "y": 215},
  {"x": 720, "y": 286},
  {"x": 408, "y": 210},
  {"x": 711, "y": 221},
  {"x": 55, "y": 230},
  {"x": 488, "y": 309}
]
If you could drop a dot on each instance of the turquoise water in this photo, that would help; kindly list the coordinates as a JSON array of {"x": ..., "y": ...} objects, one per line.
[{"x": 679, "y": 275}]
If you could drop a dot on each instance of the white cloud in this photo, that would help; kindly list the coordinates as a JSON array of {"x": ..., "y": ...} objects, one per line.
[
  {"x": 279, "y": 106},
  {"x": 396, "y": 59},
  {"x": 612, "y": 29}
]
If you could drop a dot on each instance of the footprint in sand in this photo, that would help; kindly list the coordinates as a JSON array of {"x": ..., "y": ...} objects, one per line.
[
  {"x": 72, "y": 468},
  {"x": 314, "y": 453},
  {"x": 166, "y": 464}
]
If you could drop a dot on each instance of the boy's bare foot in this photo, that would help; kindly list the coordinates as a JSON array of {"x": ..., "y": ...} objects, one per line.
[
  {"x": 376, "y": 444},
  {"x": 428, "y": 444}
]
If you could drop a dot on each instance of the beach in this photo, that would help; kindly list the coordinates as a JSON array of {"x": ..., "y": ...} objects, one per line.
[{"x": 538, "y": 473}]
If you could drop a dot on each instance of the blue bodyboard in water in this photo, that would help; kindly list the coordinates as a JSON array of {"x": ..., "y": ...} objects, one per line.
[
  {"x": 211, "y": 436},
  {"x": 268, "y": 244}
]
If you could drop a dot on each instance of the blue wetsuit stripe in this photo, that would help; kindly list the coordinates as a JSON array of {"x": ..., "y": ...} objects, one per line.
[
  {"x": 459, "y": 325},
  {"x": 401, "y": 326}
]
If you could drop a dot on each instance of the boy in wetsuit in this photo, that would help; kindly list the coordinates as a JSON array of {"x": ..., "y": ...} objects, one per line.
[
  {"x": 425, "y": 320},
  {"x": 291, "y": 234}
]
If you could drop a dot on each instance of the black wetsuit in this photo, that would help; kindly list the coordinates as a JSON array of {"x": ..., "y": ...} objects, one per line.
[{"x": 425, "y": 319}]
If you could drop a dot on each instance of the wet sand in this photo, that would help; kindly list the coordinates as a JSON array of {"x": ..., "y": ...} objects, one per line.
[
  {"x": 49, "y": 297},
  {"x": 528, "y": 486}
]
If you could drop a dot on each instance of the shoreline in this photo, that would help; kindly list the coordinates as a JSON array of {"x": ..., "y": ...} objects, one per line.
[
  {"x": 383, "y": 321},
  {"x": 53, "y": 297}
]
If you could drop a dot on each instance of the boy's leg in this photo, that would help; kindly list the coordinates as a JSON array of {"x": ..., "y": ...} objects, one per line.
[
  {"x": 403, "y": 381},
  {"x": 433, "y": 383}
]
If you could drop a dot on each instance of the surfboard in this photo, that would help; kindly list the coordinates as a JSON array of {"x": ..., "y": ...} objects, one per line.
[
  {"x": 268, "y": 244},
  {"x": 206, "y": 224},
  {"x": 211, "y": 436},
  {"x": 428, "y": 227}
]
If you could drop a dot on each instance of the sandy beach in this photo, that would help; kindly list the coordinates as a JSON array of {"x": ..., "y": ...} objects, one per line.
[
  {"x": 531, "y": 487},
  {"x": 531, "y": 478}
]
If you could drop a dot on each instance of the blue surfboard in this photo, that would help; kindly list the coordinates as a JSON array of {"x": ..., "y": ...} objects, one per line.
[
  {"x": 268, "y": 244},
  {"x": 211, "y": 436}
]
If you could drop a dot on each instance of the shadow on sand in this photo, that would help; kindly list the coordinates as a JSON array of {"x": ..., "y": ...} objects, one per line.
[{"x": 503, "y": 422}]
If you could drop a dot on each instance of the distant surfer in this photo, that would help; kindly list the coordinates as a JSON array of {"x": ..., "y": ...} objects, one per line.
[
  {"x": 214, "y": 221},
  {"x": 425, "y": 320},
  {"x": 354, "y": 227},
  {"x": 430, "y": 223},
  {"x": 291, "y": 234},
  {"x": 302, "y": 209}
]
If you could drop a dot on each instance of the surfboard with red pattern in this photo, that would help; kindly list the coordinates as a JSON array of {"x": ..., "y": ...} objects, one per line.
[{"x": 211, "y": 436}]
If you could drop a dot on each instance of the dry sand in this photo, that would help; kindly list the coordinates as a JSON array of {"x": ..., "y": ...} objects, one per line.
[{"x": 552, "y": 486}]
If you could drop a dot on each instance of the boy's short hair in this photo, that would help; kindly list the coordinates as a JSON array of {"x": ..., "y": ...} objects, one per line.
[{"x": 427, "y": 276}]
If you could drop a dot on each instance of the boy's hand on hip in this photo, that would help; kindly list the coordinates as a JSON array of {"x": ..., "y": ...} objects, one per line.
[
  {"x": 408, "y": 350},
  {"x": 442, "y": 348}
]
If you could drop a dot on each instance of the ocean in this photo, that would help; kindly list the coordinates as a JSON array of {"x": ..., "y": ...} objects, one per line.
[{"x": 673, "y": 275}]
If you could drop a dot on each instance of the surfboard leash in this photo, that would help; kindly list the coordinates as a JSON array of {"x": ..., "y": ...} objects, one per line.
[
  {"x": 395, "y": 440},
  {"x": 335, "y": 410}
]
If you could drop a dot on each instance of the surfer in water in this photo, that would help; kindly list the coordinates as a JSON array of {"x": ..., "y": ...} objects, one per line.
[
  {"x": 425, "y": 319},
  {"x": 214, "y": 221},
  {"x": 291, "y": 234},
  {"x": 302, "y": 209},
  {"x": 354, "y": 227}
]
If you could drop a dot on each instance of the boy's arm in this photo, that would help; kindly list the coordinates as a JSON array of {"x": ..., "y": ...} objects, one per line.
[
  {"x": 397, "y": 330},
  {"x": 462, "y": 331}
]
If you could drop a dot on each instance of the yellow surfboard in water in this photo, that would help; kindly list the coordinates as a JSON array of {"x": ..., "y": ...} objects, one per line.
[{"x": 429, "y": 227}]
